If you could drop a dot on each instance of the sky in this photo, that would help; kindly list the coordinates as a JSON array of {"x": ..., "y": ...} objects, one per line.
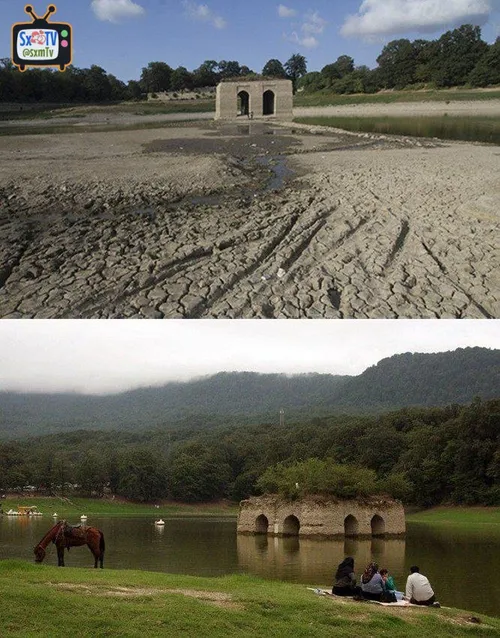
[
  {"x": 123, "y": 36},
  {"x": 102, "y": 357}
]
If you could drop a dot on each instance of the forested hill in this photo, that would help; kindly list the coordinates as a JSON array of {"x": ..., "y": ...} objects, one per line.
[{"x": 244, "y": 398}]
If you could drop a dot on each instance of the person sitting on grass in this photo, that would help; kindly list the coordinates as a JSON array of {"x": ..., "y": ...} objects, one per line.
[
  {"x": 419, "y": 590},
  {"x": 372, "y": 584},
  {"x": 390, "y": 594},
  {"x": 345, "y": 581}
]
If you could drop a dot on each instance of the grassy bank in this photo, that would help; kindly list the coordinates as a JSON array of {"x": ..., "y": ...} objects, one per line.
[
  {"x": 457, "y": 516},
  {"x": 469, "y": 129},
  {"x": 39, "y": 600},
  {"x": 75, "y": 507},
  {"x": 391, "y": 97}
]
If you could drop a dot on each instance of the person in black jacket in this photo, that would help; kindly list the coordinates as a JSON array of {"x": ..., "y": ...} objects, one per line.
[{"x": 345, "y": 581}]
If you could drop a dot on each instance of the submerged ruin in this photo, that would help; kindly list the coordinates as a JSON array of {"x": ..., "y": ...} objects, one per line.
[{"x": 321, "y": 517}]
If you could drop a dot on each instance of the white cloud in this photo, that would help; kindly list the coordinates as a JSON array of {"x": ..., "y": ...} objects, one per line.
[
  {"x": 313, "y": 23},
  {"x": 286, "y": 12},
  {"x": 115, "y": 10},
  {"x": 308, "y": 41},
  {"x": 203, "y": 13},
  {"x": 384, "y": 17}
]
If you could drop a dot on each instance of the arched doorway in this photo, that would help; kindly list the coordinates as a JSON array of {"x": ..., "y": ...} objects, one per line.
[
  {"x": 243, "y": 103},
  {"x": 351, "y": 525},
  {"x": 261, "y": 524},
  {"x": 268, "y": 105},
  {"x": 378, "y": 525},
  {"x": 291, "y": 526}
]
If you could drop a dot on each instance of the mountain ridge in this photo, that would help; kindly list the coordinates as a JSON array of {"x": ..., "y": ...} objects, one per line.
[{"x": 407, "y": 379}]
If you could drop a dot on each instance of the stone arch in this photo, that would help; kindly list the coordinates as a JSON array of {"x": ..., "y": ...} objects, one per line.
[
  {"x": 268, "y": 103},
  {"x": 377, "y": 525},
  {"x": 291, "y": 526},
  {"x": 261, "y": 524},
  {"x": 351, "y": 525},
  {"x": 243, "y": 103}
]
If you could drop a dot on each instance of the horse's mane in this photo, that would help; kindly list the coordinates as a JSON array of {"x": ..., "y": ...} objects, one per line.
[{"x": 51, "y": 534}]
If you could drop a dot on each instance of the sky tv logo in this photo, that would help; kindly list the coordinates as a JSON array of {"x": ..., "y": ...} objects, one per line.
[{"x": 41, "y": 43}]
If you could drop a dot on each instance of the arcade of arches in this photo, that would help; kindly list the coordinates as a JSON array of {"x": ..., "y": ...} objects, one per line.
[
  {"x": 254, "y": 99},
  {"x": 308, "y": 518}
]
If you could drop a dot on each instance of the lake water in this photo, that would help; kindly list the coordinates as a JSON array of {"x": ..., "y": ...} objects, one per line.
[{"x": 463, "y": 566}]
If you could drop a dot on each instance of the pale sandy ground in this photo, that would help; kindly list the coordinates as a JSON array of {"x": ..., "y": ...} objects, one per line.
[{"x": 91, "y": 225}]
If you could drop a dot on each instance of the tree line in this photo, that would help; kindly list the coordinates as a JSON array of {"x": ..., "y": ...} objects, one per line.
[
  {"x": 425, "y": 456},
  {"x": 459, "y": 57}
]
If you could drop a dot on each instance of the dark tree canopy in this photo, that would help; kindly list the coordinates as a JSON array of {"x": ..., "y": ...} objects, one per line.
[{"x": 274, "y": 68}]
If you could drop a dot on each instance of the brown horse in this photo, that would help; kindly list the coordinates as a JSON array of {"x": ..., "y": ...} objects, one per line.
[{"x": 66, "y": 536}]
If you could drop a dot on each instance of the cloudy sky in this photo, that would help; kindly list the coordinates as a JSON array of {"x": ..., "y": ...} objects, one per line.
[
  {"x": 124, "y": 35},
  {"x": 112, "y": 356}
]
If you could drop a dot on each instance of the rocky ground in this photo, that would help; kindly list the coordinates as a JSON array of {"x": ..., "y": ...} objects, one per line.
[{"x": 190, "y": 222}]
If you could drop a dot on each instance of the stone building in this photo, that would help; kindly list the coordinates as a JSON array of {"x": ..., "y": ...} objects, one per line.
[
  {"x": 321, "y": 517},
  {"x": 266, "y": 98}
]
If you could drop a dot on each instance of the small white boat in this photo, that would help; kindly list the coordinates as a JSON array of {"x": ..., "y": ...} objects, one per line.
[{"x": 160, "y": 522}]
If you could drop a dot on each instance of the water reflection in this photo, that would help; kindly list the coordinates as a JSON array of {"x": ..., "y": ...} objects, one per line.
[{"x": 314, "y": 561}]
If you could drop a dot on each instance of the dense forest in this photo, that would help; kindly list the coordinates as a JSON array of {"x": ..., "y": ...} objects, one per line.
[
  {"x": 425, "y": 456},
  {"x": 458, "y": 58},
  {"x": 240, "y": 399}
]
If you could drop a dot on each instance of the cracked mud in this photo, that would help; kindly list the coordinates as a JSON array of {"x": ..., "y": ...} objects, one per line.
[{"x": 247, "y": 221}]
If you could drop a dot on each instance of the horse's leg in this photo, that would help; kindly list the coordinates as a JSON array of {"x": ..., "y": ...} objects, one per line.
[{"x": 60, "y": 556}]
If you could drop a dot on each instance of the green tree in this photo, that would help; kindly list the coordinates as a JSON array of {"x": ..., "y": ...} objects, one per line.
[
  {"x": 296, "y": 67},
  {"x": 196, "y": 475},
  {"x": 142, "y": 475},
  {"x": 397, "y": 64},
  {"x": 90, "y": 474},
  {"x": 274, "y": 68},
  {"x": 228, "y": 69},
  {"x": 206, "y": 74},
  {"x": 458, "y": 52},
  {"x": 181, "y": 79},
  {"x": 156, "y": 77},
  {"x": 487, "y": 70}
]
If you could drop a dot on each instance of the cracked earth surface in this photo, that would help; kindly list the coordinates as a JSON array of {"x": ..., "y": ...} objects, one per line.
[{"x": 180, "y": 223}]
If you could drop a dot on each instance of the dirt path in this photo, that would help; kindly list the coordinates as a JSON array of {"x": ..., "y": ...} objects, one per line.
[{"x": 178, "y": 223}]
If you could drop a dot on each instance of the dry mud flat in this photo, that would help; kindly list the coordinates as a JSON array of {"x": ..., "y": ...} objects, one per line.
[{"x": 179, "y": 223}]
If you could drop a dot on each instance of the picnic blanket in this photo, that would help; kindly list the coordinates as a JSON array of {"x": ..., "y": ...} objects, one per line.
[{"x": 325, "y": 592}]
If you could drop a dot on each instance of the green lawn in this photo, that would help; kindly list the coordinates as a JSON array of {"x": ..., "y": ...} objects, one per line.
[
  {"x": 38, "y": 600},
  {"x": 455, "y": 516},
  {"x": 107, "y": 507}
]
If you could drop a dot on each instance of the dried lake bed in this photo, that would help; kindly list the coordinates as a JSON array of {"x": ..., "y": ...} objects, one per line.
[{"x": 202, "y": 220}]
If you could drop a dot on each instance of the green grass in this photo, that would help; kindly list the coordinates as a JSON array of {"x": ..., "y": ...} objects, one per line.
[
  {"x": 470, "y": 129},
  {"x": 390, "y": 97},
  {"x": 106, "y": 507},
  {"x": 39, "y": 600},
  {"x": 456, "y": 516}
]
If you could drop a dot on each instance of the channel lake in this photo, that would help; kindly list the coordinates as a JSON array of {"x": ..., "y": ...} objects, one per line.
[{"x": 462, "y": 565}]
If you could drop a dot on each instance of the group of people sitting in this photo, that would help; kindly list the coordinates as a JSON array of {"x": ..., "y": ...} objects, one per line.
[{"x": 379, "y": 585}]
